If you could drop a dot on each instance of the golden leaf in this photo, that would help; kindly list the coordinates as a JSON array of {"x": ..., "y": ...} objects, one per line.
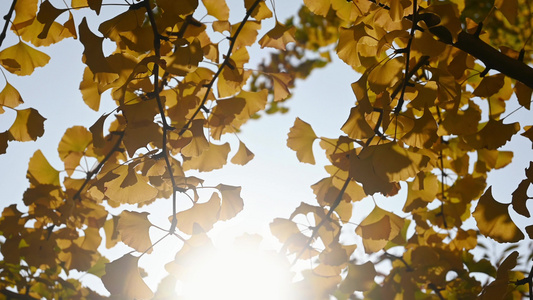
[
  {"x": 129, "y": 187},
  {"x": 123, "y": 280},
  {"x": 93, "y": 55},
  {"x": 141, "y": 128},
  {"x": 424, "y": 132},
  {"x": 379, "y": 225},
  {"x": 509, "y": 9},
  {"x": 26, "y": 10},
  {"x": 356, "y": 127},
  {"x": 422, "y": 191},
  {"x": 493, "y": 135},
  {"x": 40, "y": 171},
  {"x": 261, "y": 12},
  {"x": 97, "y": 131},
  {"x": 523, "y": 93},
  {"x": 347, "y": 48},
  {"x": 72, "y": 147},
  {"x": 221, "y": 119},
  {"x": 493, "y": 220},
  {"x": 300, "y": 139},
  {"x": 278, "y": 37},
  {"x": 198, "y": 143},
  {"x": 175, "y": 8},
  {"x": 9, "y": 97},
  {"x": 95, "y": 5},
  {"x": 490, "y": 85},
  {"x": 204, "y": 215},
  {"x": 287, "y": 232},
  {"x": 47, "y": 15},
  {"x": 247, "y": 35},
  {"x": 386, "y": 75},
  {"x": 185, "y": 58},
  {"x": 319, "y": 7},
  {"x": 214, "y": 157},
  {"x": 25, "y": 57},
  {"x": 28, "y": 125},
  {"x": 243, "y": 155},
  {"x": 359, "y": 278},
  {"x": 232, "y": 202},
  {"x": 281, "y": 83},
  {"x": 217, "y": 8},
  {"x": 134, "y": 229}
]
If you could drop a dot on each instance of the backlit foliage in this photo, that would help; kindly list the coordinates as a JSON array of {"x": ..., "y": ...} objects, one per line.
[{"x": 181, "y": 81}]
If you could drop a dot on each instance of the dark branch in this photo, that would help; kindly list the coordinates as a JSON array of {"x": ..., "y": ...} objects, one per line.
[{"x": 7, "y": 19}]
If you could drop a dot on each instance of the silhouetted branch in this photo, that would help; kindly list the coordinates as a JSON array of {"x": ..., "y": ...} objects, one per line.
[{"x": 7, "y": 19}]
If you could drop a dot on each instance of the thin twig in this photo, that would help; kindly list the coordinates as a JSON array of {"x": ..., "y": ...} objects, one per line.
[{"x": 7, "y": 19}]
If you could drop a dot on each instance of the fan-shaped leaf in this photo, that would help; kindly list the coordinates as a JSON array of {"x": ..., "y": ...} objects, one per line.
[{"x": 301, "y": 138}]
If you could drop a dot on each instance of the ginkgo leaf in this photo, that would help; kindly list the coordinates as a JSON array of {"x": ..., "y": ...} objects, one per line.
[
  {"x": 281, "y": 83},
  {"x": 523, "y": 94},
  {"x": 261, "y": 12},
  {"x": 47, "y": 15},
  {"x": 287, "y": 232},
  {"x": 141, "y": 128},
  {"x": 221, "y": 119},
  {"x": 198, "y": 143},
  {"x": 386, "y": 75},
  {"x": 424, "y": 132},
  {"x": 177, "y": 8},
  {"x": 214, "y": 157},
  {"x": 490, "y": 85},
  {"x": 40, "y": 171},
  {"x": 185, "y": 59},
  {"x": 300, "y": 139},
  {"x": 93, "y": 54},
  {"x": 356, "y": 127},
  {"x": 204, "y": 215},
  {"x": 9, "y": 97},
  {"x": 509, "y": 9},
  {"x": 247, "y": 35},
  {"x": 232, "y": 202},
  {"x": 217, "y": 8},
  {"x": 28, "y": 125},
  {"x": 123, "y": 280},
  {"x": 134, "y": 229},
  {"x": 97, "y": 131},
  {"x": 95, "y": 5},
  {"x": 520, "y": 195},
  {"x": 72, "y": 146},
  {"x": 347, "y": 48},
  {"x": 278, "y": 37},
  {"x": 129, "y": 186},
  {"x": 359, "y": 278},
  {"x": 4, "y": 138},
  {"x": 380, "y": 225},
  {"x": 319, "y": 7},
  {"x": 493, "y": 135},
  {"x": 89, "y": 90},
  {"x": 493, "y": 220},
  {"x": 243, "y": 155},
  {"x": 21, "y": 59}
]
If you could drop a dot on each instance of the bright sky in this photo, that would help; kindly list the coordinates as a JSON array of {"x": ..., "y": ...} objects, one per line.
[{"x": 273, "y": 184}]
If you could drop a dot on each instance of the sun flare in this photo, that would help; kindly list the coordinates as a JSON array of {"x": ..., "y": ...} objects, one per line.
[{"x": 239, "y": 272}]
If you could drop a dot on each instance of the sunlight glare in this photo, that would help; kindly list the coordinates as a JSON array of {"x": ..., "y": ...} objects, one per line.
[{"x": 238, "y": 273}]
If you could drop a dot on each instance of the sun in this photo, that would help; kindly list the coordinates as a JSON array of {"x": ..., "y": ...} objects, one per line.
[{"x": 238, "y": 272}]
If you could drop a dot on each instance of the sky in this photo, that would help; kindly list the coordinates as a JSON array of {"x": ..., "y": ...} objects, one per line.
[{"x": 273, "y": 183}]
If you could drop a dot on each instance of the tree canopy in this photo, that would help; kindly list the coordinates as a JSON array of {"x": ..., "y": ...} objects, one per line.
[{"x": 433, "y": 110}]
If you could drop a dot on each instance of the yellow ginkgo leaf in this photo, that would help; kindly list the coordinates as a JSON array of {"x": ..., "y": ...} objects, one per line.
[
  {"x": 243, "y": 155},
  {"x": 494, "y": 221},
  {"x": 93, "y": 54},
  {"x": 9, "y": 97},
  {"x": 490, "y": 85},
  {"x": 89, "y": 90},
  {"x": 134, "y": 230},
  {"x": 123, "y": 280},
  {"x": 523, "y": 94},
  {"x": 260, "y": 12},
  {"x": 232, "y": 202},
  {"x": 424, "y": 132},
  {"x": 356, "y": 127},
  {"x": 217, "y": 8},
  {"x": 204, "y": 215},
  {"x": 47, "y": 15},
  {"x": 386, "y": 75},
  {"x": 278, "y": 37},
  {"x": 40, "y": 171},
  {"x": 72, "y": 146},
  {"x": 509, "y": 9},
  {"x": 4, "y": 138},
  {"x": 379, "y": 227},
  {"x": 319, "y": 7},
  {"x": 198, "y": 143},
  {"x": 247, "y": 35},
  {"x": 493, "y": 135},
  {"x": 300, "y": 139},
  {"x": 95, "y": 5},
  {"x": 221, "y": 119},
  {"x": 128, "y": 187},
  {"x": 359, "y": 278},
  {"x": 26, "y": 58},
  {"x": 28, "y": 125},
  {"x": 214, "y": 157},
  {"x": 281, "y": 83},
  {"x": 348, "y": 44}
]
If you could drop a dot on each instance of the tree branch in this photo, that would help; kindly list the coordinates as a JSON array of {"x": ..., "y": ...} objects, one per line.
[{"x": 7, "y": 18}]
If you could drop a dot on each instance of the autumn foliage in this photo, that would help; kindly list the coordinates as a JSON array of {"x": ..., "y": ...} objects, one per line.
[{"x": 430, "y": 117}]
